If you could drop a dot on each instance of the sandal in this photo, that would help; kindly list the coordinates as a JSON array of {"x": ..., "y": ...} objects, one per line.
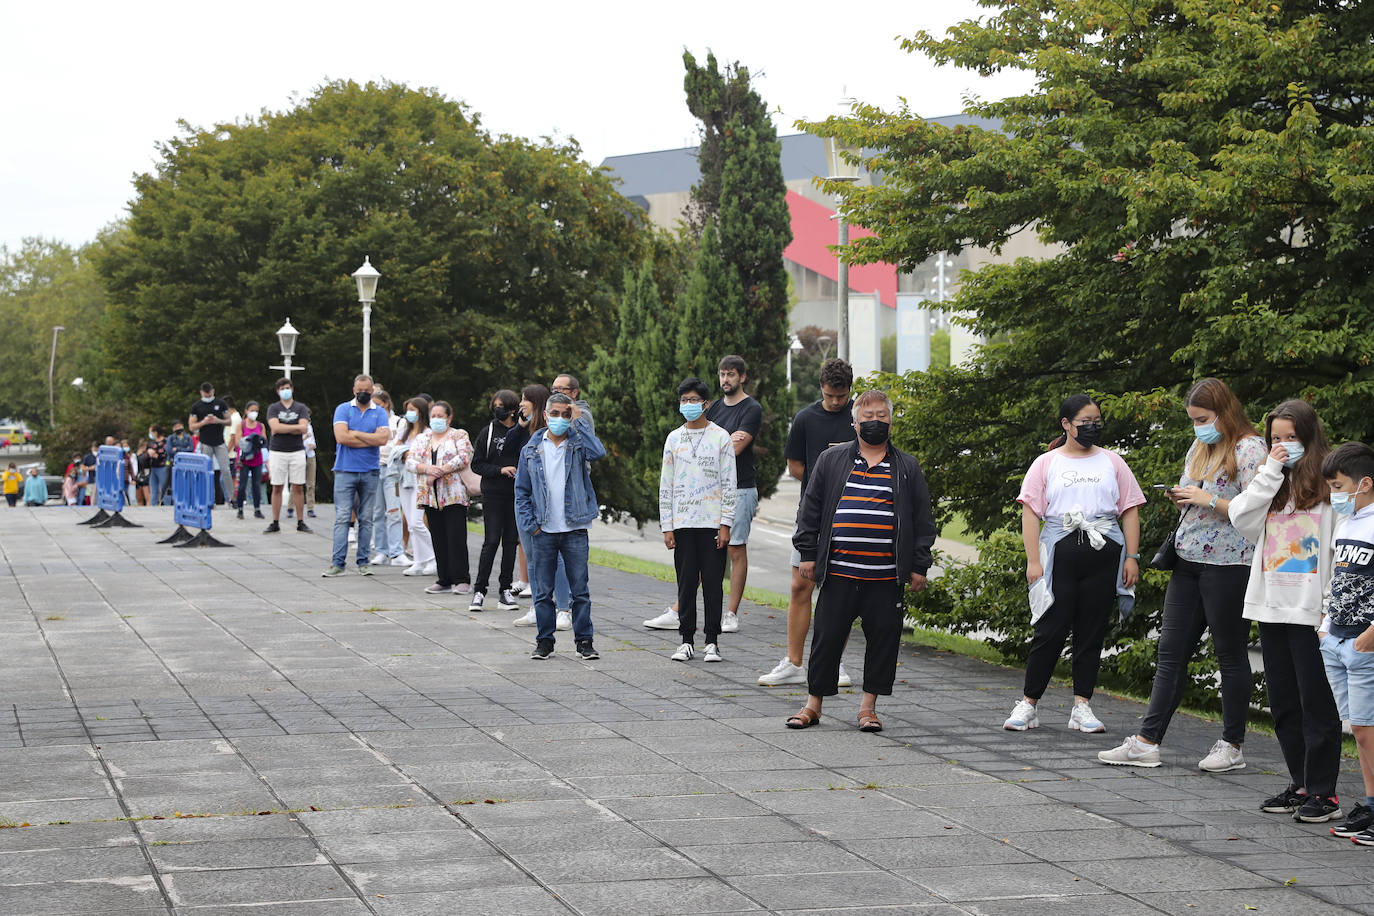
[
  {"x": 804, "y": 719},
  {"x": 869, "y": 722}
]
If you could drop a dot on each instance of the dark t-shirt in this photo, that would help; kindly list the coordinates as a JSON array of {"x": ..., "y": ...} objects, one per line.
[
  {"x": 815, "y": 429},
  {"x": 747, "y": 415},
  {"x": 211, "y": 433},
  {"x": 157, "y": 453},
  {"x": 287, "y": 442}
]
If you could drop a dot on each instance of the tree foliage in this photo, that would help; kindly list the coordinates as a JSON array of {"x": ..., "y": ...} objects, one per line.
[{"x": 499, "y": 257}]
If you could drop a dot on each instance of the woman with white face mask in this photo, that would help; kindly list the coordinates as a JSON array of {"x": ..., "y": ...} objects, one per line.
[
  {"x": 252, "y": 447},
  {"x": 436, "y": 456},
  {"x": 414, "y": 421}
]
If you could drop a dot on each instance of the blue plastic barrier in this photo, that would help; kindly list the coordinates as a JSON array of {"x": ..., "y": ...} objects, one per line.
[
  {"x": 109, "y": 489},
  {"x": 193, "y": 500}
]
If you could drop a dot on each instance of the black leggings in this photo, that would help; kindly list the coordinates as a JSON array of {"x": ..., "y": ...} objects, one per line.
[
  {"x": 697, "y": 559},
  {"x": 448, "y": 528},
  {"x": 1084, "y": 600},
  {"x": 1305, "y": 717},
  {"x": 498, "y": 526}
]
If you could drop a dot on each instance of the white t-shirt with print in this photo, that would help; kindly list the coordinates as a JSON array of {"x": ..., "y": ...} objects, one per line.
[{"x": 1096, "y": 484}]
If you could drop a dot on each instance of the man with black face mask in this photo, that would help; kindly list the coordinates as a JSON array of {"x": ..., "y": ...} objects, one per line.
[
  {"x": 864, "y": 531},
  {"x": 495, "y": 457},
  {"x": 360, "y": 430}
]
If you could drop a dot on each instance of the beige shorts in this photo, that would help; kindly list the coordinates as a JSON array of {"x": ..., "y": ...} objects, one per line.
[{"x": 287, "y": 467}]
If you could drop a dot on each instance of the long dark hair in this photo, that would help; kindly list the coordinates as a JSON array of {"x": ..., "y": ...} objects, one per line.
[
  {"x": 412, "y": 430},
  {"x": 1303, "y": 483},
  {"x": 1069, "y": 408},
  {"x": 538, "y": 395}
]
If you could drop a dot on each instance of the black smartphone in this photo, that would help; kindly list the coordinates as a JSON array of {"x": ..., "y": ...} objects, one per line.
[{"x": 1163, "y": 486}]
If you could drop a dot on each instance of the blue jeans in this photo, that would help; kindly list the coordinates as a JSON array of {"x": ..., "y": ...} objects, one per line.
[
  {"x": 571, "y": 547},
  {"x": 386, "y": 519},
  {"x": 157, "y": 482},
  {"x": 348, "y": 486},
  {"x": 561, "y": 592}
]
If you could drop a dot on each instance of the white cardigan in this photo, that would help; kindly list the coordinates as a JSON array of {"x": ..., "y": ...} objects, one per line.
[{"x": 1249, "y": 511}]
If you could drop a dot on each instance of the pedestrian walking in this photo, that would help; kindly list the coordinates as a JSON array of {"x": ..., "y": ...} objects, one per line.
[
  {"x": 496, "y": 459},
  {"x": 360, "y": 430},
  {"x": 435, "y": 457}
]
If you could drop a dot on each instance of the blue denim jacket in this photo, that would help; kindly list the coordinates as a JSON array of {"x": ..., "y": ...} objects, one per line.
[{"x": 531, "y": 492}]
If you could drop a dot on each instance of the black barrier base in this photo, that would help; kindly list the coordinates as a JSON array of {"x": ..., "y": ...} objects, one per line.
[
  {"x": 202, "y": 540},
  {"x": 116, "y": 521},
  {"x": 181, "y": 534},
  {"x": 101, "y": 516}
]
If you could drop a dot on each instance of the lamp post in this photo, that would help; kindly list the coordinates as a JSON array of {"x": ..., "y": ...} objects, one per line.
[
  {"x": 286, "y": 337},
  {"x": 52, "y": 362},
  {"x": 842, "y": 170},
  {"x": 794, "y": 347},
  {"x": 366, "y": 277}
]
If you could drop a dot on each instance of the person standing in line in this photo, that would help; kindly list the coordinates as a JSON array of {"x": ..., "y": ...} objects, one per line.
[
  {"x": 179, "y": 441},
  {"x": 387, "y": 547},
  {"x": 86, "y": 493},
  {"x": 864, "y": 530},
  {"x": 287, "y": 420},
  {"x": 416, "y": 421},
  {"x": 1285, "y": 513},
  {"x": 12, "y": 482},
  {"x": 533, "y": 399},
  {"x": 231, "y": 444},
  {"x": 556, "y": 504},
  {"x": 815, "y": 428},
  {"x": 1207, "y": 588},
  {"x": 360, "y": 430},
  {"x": 70, "y": 489},
  {"x": 35, "y": 489},
  {"x": 311, "y": 469},
  {"x": 496, "y": 459},
  {"x": 208, "y": 420},
  {"x": 157, "y": 463},
  {"x": 569, "y": 385},
  {"x": 142, "y": 472},
  {"x": 252, "y": 442},
  {"x": 696, "y": 507},
  {"x": 1087, "y": 554},
  {"x": 435, "y": 457}
]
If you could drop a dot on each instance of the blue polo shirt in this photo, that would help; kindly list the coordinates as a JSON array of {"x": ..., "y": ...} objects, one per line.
[{"x": 359, "y": 460}]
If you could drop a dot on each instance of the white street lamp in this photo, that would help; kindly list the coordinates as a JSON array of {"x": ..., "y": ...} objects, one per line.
[
  {"x": 52, "y": 361},
  {"x": 794, "y": 347},
  {"x": 286, "y": 337},
  {"x": 367, "y": 277},
  {"x": 842, "y": 169}
]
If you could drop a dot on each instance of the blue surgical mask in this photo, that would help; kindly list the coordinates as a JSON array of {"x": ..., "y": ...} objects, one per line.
[
  {"x": 284, "y": 394},
  {"x": 559, "y": 425},
  {"x": 1295, "y": 451},
  {"x": 1343, "y": 503},
  {"x": 412, "y": 416},
  {"x": 1207, "y": 433},
  {"x": 690, "y": 412},
  {"x": 205, "y": 400},
  {"x": 438, "y": 424}
]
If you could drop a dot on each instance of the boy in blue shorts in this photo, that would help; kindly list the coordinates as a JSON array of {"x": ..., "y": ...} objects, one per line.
[{"x": 1348, "y": 644}]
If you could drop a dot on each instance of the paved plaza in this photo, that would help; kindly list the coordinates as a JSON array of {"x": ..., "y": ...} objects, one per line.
[{"x": 223, "y": 731}]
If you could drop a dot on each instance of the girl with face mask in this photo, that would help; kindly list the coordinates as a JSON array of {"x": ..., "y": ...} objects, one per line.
[
  {"x": 252, "y": 449},
  {"x": 1086, "y": 555},
  {"x": 495, "y": 460},
  {"x": 414, "y": 421}
]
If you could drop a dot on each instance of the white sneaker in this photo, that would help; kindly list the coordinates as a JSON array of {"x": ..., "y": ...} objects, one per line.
[
  {"x": 415, "y": 570},
  {"x": 684, "y": 653},
  {"x": 666, "y": 621},
  {"x": 729, "y": 623},
  {"x": 352, "y": 535},
  {"x": 784, "y": 673},
  {"x": 1083, "y": 720},
  {"x": 1132, "y": 753},
  {"x": 711, "y": 653},
  {"x": 379, "y": 559},
  {"x": 1223, "y": 758},
  {"x": 400, "y": 560},
  {"x": 564, "y": 621},
  {"x": 1023, "y": 716},
  {"x": 520, "y": 588},
  {"x": 527, "y": 621},
  {"x": 477, "y": 599},
  {"x": 431, "y": 568},
  {"x": 844, "y": 680},
  {"x": 505, "y": 601}
]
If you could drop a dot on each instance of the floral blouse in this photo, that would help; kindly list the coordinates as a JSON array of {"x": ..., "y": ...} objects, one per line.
[
  {"x": 454, "y": 453},
  {"x": 1207, "y": 535}
]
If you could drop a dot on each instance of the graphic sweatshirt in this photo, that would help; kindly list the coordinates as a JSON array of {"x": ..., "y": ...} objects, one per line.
[{"x": 1351, "y": 607}]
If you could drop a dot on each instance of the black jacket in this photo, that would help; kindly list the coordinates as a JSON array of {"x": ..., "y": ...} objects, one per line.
[
  {"x": 911, "y": 502},
  {"x": 488, "y": 460}
]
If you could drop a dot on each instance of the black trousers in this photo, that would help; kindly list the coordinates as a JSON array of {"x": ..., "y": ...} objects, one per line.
[
  {"x": 1202, "y": 597},
  {"x": 697, "y": 559},
  {"x": 448, "y": 528},
  {"x": 1305, "y": 717},
  {"x": 498, "y": 526},
  {"x": 1084, "y": 600},
  {"x": 842, "y": 600}
]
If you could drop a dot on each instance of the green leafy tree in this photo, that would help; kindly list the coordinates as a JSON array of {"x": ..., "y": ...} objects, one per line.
[{"x": 500, "y": 257}]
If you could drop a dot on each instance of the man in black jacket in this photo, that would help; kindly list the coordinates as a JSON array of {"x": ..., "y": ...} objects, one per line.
[{"x": 865, "y": 529}]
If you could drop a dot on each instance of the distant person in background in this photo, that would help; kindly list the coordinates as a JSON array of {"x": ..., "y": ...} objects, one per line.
[
  {"x": 86, "y": 491},
  {"x": 208, "y": 420},
  {"x": 35, "y": 489},
  {"x": 157, "y": 464},
  {"x": 231, "y": 443},
  {"x": 310, "y": 468},
  {"x": 12, "y": 480},
  {"x": 252, "y": 447},
  {"x": 179, "y": 441},
  {"x": 70, "y": 490},
  {"x": 142, "y": 472},
  {"x": 414, "y": 422}
]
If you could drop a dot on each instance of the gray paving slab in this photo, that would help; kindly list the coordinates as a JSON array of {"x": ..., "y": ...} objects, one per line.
[{"x": 359, "y": 747}]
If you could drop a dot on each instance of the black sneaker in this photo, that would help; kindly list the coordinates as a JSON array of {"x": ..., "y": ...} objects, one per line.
[
  {"x": 257, "y": 513},
  {"x": 239, "y": 514},
  {"x": 586, "y": 649},
  {"x": 310, "y": 512},
  {"x": 1317, "y": 810},
  {"x": 1360, "y": 818},
  {"x": 1286, "y": 802},
  {"x": 1364, "y": 837},
  {"x": 302, "y": 526},
  {"x": 272, "y": 528},
  {"x": 543, "y": 648},
  {"x": 290, "y": 513}
]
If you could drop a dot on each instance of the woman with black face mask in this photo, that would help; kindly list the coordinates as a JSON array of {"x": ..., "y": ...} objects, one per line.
[
  {"x": 495, "y": 458},
  {"x": 1086, "y": 554}
]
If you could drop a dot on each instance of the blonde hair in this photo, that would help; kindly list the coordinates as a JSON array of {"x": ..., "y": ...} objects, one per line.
[{"x": 1206, "y": 462}]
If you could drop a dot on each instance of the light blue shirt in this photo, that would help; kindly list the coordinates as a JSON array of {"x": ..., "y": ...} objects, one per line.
[{"x": 556, "y": 480}]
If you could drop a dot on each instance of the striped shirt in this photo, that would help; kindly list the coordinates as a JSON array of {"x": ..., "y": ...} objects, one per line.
[{"x": 863, "y": 535}]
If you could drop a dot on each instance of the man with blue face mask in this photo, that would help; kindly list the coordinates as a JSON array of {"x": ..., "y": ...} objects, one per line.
[{"x": 287, "y": 421}]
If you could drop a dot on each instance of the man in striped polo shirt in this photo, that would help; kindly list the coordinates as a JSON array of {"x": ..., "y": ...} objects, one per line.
[{"x": 864, "y": 531}]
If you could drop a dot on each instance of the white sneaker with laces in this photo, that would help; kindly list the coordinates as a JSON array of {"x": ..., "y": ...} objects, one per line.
[
  {"x": 520, "y": 588},
  {"x": 379, "y": 559},
  {"x": 415, "y": 570},
  {"x": 729, "y": 623},
  {"x": 784, "y": 673},
  {"x": 505, "y": 601},
  {"x": 684, "y": 653},
  {"x": 564, "y": 621},
  {"x": 666, "y": 621},
  {"x": 527, "y": 621},
  {"x": 477, "y": 599},
  {"x": 431, "y": 568},
  {"x": 1222, "y": 758},
  {"x": 711, "y": 653},
  {"x": 1083, "y": 720},
  {"x": 844, "y": 680},
  {"x": 1023, "y": 716},
  {"x": 400, "y": 560},
  {"x": 1132, "y": 753}
]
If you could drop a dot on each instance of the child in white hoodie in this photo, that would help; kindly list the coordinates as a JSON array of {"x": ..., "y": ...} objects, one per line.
[{"x": 1285, "y": 513}]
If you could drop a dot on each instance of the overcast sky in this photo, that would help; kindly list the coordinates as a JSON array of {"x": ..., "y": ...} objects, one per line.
[{"x": 92, "y": 87}]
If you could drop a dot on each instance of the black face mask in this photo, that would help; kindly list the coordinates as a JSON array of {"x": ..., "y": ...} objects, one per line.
[
  {"x": 362, "y": 397},
  {"x": 501, "y": 413},
  {"x": 874, "y": 432},
  {"x": 1089, "y": 435}
]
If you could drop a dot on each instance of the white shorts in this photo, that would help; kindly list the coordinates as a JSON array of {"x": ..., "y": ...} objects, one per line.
[{"x": 287, "y": 467}]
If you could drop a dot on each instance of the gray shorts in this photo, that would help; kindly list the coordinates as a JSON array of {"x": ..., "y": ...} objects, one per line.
[{"x": 746, "y": 504}]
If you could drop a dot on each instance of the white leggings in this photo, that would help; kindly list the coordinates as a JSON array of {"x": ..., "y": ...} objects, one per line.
[{"x": 421, "y": 547}]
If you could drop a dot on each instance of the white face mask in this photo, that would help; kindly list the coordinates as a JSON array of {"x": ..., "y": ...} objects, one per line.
[{"x": 253, "y": 415}]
